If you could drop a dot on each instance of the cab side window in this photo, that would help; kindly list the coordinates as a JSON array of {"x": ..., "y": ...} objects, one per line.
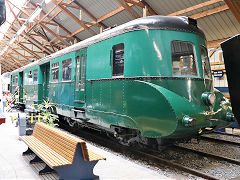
[
  {"x": 183, "y": 59},
  {"x": 118, "y": 60}
]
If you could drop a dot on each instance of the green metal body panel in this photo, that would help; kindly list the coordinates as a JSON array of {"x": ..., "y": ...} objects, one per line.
[{"x": 154, "y": 106}]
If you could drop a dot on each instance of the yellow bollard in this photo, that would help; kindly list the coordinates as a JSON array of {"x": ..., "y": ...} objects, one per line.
[
  {"x": 39, "y": 117},
  {"x": 32, "y": 118},
  {"x": 12, "y": 119},
  {"x": 18, "y": 95}
]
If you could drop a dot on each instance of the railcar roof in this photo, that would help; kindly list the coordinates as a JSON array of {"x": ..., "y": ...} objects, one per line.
[{"x": 176, "y": 23}]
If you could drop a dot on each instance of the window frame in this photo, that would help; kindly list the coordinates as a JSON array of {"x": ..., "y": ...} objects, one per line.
[
  {"x": 112, "y": 60},
  {"x": 30, "y": 79},
  {"x": 211, "y": 76},
  {"x": 194, "y": 57},
  {"x": 83, "y": 72},
  {"x": 77, "y": 84},
  {"x": 16, "y": 80},
  {"x": 70, "y": 71}
]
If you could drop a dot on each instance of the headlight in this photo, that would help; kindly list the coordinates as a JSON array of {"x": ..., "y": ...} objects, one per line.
[
  {"x": 208, "y": 98},
  {"x": 188, "y": 121}
]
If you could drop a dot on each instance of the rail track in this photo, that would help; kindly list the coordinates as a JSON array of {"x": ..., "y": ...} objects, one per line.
[
  {"x": 152, "y": 155},
  {"x": 227, "y": 134},
  {"x": 222, "y": 140}
]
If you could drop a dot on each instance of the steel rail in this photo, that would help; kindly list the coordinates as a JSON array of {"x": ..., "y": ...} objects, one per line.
[
  {"x": 217, "y": 157},
  {"x": 219, "y": 140},
  {"x": 226, "y": 134}
]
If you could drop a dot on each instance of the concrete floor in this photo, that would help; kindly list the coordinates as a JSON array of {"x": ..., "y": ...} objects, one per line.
[{"x": 14, "y": 166}]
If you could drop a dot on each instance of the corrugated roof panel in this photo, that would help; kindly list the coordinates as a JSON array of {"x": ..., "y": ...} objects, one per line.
[
  {"x": 99, "y": 8},
  {"x": 118, "y": 19},
  {"x": 48, "y": 7},
  {"x": 165, "y": 7},
  {"x": 95, "y": 29},
  {"x": 138, "y": 10},
  {"x": 219, "y": 26},
  {"x": 83, "y": 35},
  {"x": 68, "y": 23}
]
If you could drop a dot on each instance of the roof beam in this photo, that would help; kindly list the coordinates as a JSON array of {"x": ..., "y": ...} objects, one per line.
[
  {"x": 106, "y": 16},
  {"x": 6, "y": 66},
  {"x": 150, "y": 9},
  {"x": 215, "y": 44},
  {"x": 9, "y": 65},
  {"x": 128, "y": 9},
  {"x": 89, "y": 14},
  {"x": 51, "y": 19},
  {"x": 74, "y": 17},
  {"x": 43, "y": 25},
  {"x": 192, "y": 8},
  {"x": 209, "y": 12},
  {"x": 27, "y": 37},
  {"x": 235, "y": 8}
]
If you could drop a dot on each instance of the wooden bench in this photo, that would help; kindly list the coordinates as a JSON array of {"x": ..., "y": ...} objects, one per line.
[{"x": 61, "y": 152}]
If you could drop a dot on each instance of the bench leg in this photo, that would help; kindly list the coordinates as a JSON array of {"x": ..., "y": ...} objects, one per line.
[
  {"x": 28, "y": 151},
  {"x": 80, "y": 169},
  {"x": 47, "y": 169},
  {"x": 36, "y": 159}
]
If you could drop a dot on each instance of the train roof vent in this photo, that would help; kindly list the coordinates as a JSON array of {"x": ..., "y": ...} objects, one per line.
[
  {"x": 192, "y": 22},
  {"x": 110, "y": 28}
]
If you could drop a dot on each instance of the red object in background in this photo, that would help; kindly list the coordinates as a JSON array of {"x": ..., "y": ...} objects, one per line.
[{"x": 2, "y": 120}]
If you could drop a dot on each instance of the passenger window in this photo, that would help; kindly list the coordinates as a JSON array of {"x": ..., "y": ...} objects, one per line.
[
  {"x": 35, "y": 75},
  {"x": 55, "y": 72},
  {"x": 30, "y": 74},
  {"x": 83, "y": 70},
  {"x": 16, "y": 78},
  {"x": 66, "y": 69},
  {"x": 118, "y": 60},
  {"x": 25, "y": 78},
  {"x": 13, "y": 81},
  {"x": 183, "y": 59},
  {"x": 30, "y": 80},
  {"x": 205, "y": 63}
]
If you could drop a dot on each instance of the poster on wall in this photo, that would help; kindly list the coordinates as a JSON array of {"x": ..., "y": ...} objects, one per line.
[{"x": 218, "y": 73}]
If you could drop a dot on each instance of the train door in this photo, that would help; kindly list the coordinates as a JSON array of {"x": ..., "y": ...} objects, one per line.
[
  {"x": 45, "y": 68},
  {"x": 80, "y": 77},
  {"x": 20, "y": 86}
]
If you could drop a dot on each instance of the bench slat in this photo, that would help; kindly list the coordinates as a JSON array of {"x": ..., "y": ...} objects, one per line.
[
  {"x": 62, "y": 141},
  {"x": 41, "y": 149},
  {"x": 49, "y": 156},
  {"x": 69, "y": 137},
  {"x": 66, "y": 153}
]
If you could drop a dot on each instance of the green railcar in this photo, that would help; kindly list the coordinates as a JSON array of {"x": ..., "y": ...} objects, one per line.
[{"x": 148, "y": 80}]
